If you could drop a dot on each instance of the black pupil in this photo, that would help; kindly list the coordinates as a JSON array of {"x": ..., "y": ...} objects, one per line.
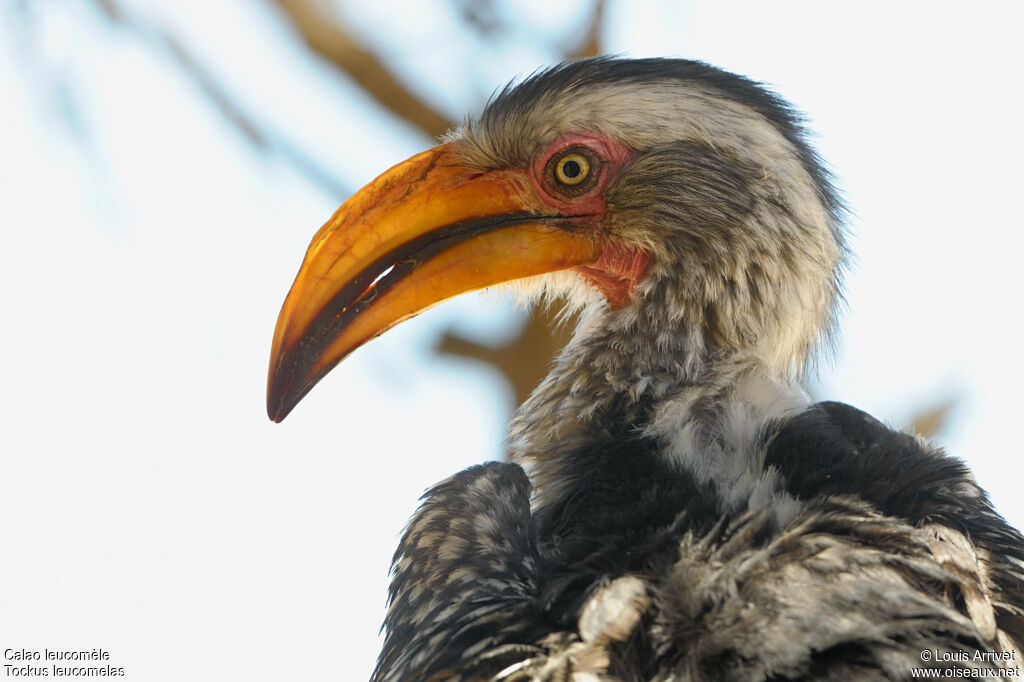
[{"x": 571, "y": 169}]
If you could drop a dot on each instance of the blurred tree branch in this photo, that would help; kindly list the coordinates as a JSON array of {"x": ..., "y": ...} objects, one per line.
[
  {"x": 933, "y": 421},
  {"x": 324, "y": 34},
  {"x": 522, "y": 360},
  {"x": 259, "y": 136},
  {"x": 591, "y": 46}
]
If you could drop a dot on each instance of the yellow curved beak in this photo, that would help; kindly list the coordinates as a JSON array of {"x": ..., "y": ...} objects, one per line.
[{"x": 424, "y": 231}]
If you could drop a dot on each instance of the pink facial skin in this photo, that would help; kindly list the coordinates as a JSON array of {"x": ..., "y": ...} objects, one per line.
[{"x": 619, "y": 267}]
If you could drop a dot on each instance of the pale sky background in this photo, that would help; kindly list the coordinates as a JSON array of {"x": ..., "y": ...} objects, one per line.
[{"x": 150, "y": 508}]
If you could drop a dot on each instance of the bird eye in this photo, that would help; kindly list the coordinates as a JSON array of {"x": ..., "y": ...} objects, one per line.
[{"x": 572, "y": 169}]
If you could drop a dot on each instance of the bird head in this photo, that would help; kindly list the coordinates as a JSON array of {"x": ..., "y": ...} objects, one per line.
[{"x": 672, "y": 201}]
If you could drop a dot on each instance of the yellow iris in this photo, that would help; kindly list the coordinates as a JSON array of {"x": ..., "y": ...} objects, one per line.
[{"x": 572, "y": 169}]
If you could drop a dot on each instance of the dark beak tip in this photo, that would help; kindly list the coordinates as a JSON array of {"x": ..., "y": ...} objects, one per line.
[
  {"x": 276, "y": 410},
  {"x": 280, "y": 399},
  {"x": 284, "y": 392}
]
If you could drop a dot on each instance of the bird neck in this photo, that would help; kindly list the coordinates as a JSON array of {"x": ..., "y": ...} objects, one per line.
[{"x": 624, "y": 377}]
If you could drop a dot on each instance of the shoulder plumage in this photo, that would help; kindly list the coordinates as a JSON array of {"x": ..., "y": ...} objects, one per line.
[{"x": 833, "y": 449}]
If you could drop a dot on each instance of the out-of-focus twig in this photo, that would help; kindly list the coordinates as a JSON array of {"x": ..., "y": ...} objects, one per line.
[
  {"x": 481, "y": 16},
  {"x": 324, "y": 35},
  {"x": 258, "y": 135},
  {"x": 931, "y": 422},
  {"x": 524, "y": 359},
  {"x": 591, "y": 46}
]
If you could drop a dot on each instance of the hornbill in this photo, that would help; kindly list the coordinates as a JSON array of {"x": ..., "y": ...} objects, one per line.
[{"x": 676, "y": 508}]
